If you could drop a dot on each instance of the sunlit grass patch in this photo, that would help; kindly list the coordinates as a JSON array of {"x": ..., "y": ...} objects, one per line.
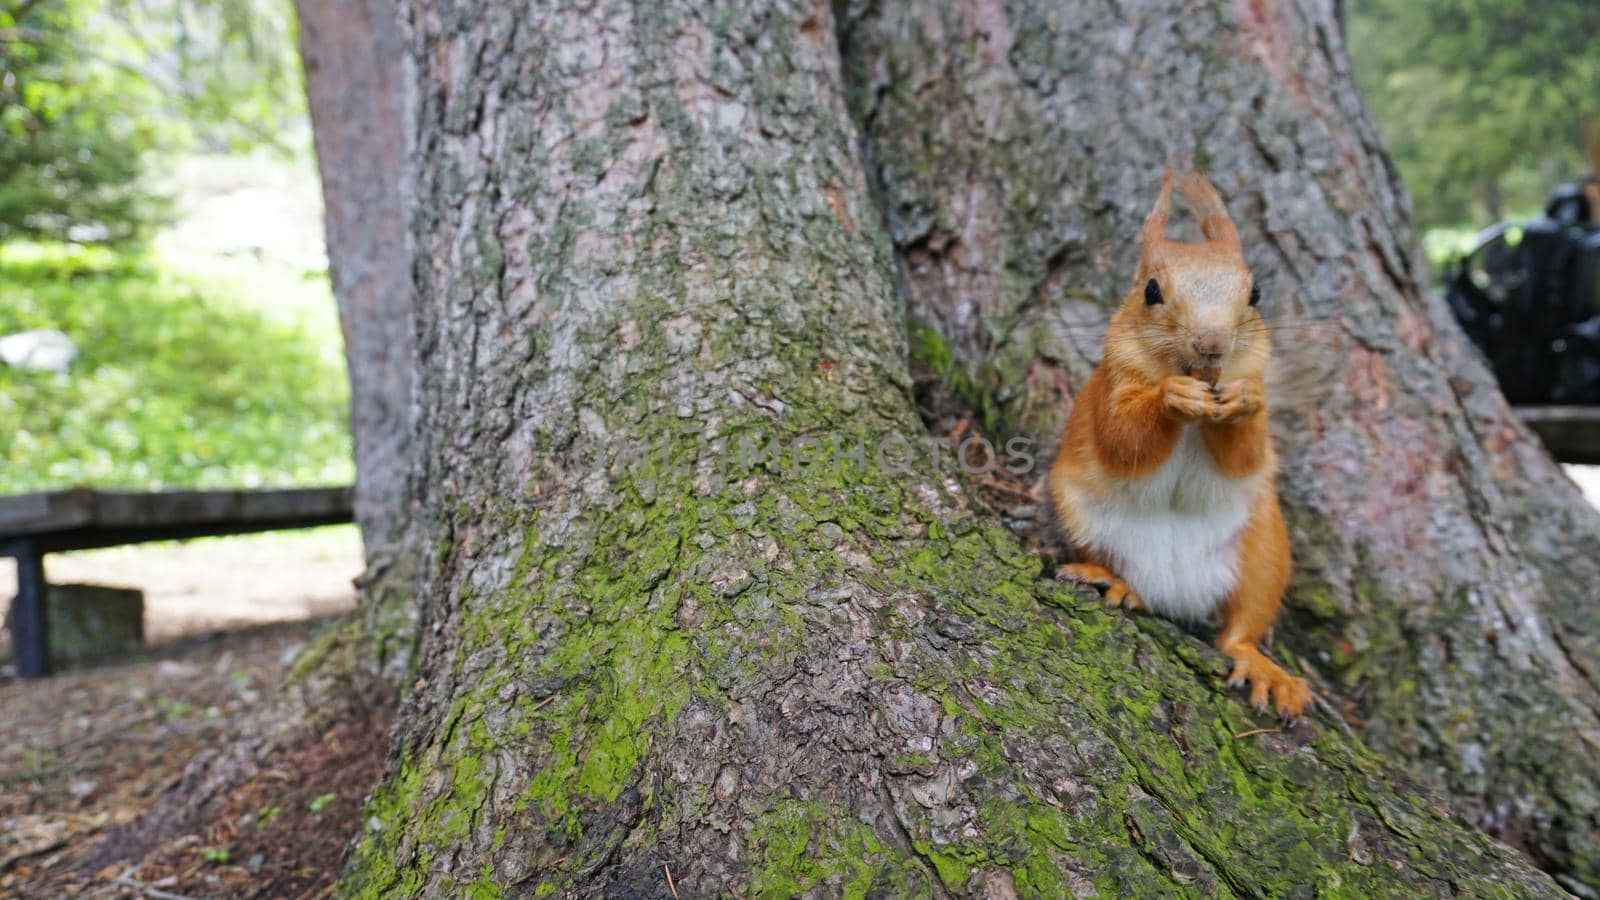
[{"x": 185, "y": 378}]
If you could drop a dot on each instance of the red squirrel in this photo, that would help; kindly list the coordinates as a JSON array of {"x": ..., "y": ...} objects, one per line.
[{"x": 1164, "y": 480}]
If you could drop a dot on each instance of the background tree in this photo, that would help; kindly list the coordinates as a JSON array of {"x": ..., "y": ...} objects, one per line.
[
  {"x": 659, "y": 657},
  {"x": 1480, "y": 100},
  {"x": 95, "y": 94},
  {"x": 356, "y": 78},
  {"x": 226, "y": 71},
  {"x": 71, "y": 150}
]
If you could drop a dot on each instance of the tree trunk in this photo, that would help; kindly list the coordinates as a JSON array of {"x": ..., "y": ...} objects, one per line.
[
  {"x": 704, "y": 615},
  {"x": 1446, "y": 568},
  {"x": 356, "y": 78}
]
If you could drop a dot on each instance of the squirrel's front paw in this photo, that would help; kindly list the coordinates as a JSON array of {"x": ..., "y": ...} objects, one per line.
[
  {"x": 1236, "y": 400},
  {"x": 1188, "y": 398}
]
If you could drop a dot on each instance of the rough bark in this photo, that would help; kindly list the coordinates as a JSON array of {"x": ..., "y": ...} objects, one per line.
[
  {"x": 654, "y": 654},
  {"x": 1446, "y": 568},
  {"x": 355, "y": 60}
]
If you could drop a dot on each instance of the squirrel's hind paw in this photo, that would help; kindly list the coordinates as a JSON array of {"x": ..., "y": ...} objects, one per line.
[{"x": 1269, "y": 683}]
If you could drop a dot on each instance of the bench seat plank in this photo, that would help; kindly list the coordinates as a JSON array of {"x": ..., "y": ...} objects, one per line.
[
  {"x": 80, "y": 519},
  {"x": 1571, "y": 433}
]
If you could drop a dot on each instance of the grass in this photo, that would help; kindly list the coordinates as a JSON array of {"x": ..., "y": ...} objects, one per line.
[
  {"x": 192, "y": 372},
  {"x": 1444, "y": 245},
  {"x": 259, "y": 551}
]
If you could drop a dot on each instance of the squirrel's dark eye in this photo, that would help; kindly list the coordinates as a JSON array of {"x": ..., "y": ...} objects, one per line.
[
  {"x": 1152, "y": 293},
  {"x": 1255, "y": 295}
]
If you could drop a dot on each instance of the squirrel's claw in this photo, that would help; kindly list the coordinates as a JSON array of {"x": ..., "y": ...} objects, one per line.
[
  {"x": 1235, "y": 401},
  {"x": 1269, "y": 683},
  {"x": 1115, "y": 591},
  {"x": 1188, "y": 398}
]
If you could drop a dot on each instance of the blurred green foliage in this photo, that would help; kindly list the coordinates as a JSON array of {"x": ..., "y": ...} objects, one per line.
[
  {"x": 1481, "y": 102},
  {"x": 182, "y": 380},
  {"x": 97, "y": 95},
  {"x": 225, "y": 73},
  {"x": 71, "y": 144}
]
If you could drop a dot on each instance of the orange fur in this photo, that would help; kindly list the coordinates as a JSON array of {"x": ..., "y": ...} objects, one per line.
[
  {"x": 1130, "y": 416},
  {"x": 1248, "y": 613},
  {"x": 1241, "y": 445}
]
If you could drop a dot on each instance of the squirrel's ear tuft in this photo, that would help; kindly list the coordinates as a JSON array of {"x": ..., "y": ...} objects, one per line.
[
  {"x": 1152, "y": 293},
  {"x": 1207, "y": 208},
  {"x": 1155, "y": 225}
]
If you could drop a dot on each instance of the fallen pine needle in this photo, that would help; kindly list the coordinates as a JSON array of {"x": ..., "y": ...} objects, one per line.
[
  {"x": 30, "y": 853},
  {"x": 146, "y": 890},
  {"x": 670, "y": 886},
  {"x": 1245, "y": 734},
  {"x": 1019, "y": 493}
]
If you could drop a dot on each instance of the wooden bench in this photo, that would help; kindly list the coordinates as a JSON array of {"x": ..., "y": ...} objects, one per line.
[
  {"x": 1570, "y": 433},
  {"x": 32, "y": 525}
]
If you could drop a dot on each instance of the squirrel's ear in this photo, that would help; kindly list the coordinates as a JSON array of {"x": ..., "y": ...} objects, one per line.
[
  {"x": 1155, "y": 224},
  {"x": 1207, "y": 208}
]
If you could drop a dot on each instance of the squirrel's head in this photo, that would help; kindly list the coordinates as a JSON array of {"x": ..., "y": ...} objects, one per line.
[{"x": 1192, "y": 306}]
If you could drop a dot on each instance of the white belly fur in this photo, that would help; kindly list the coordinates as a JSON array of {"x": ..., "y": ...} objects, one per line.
[{"x": 1174, "y": 534}]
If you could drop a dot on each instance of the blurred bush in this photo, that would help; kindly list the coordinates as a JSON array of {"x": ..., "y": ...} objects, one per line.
[
  {"x": 184, "y": 379},
  {"x": 72, "y": 150},
  {"x": 98, "y": 96},
  {"x": 1481, "y": 102}
]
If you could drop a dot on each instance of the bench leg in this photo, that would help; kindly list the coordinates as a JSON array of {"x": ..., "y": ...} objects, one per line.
[{"x": 30, "y": 625}]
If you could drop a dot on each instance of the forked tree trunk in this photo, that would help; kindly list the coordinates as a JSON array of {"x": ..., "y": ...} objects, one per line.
[
  {"x": 660, "y": 661},
  {"x": 1447, "y": 571}
]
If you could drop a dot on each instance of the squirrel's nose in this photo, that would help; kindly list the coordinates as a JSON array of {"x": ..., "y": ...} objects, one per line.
[{"x": 1209, "y": 345}]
